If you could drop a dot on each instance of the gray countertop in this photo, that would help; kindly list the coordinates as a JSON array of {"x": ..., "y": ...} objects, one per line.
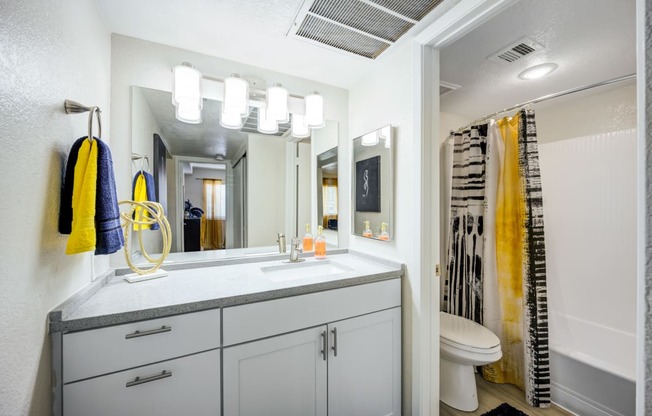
[{"x": 112, "y": 300}]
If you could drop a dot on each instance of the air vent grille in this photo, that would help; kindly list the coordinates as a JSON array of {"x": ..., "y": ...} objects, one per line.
[
  {"x": 340, "y": 37},
  {"x": 251, "y": 125},
  {"x": 412, "y": 9},
  {"x": 361, "y": 27},
  {"x": 362, "y": 16},
  {"x": 517, "y": 50}
]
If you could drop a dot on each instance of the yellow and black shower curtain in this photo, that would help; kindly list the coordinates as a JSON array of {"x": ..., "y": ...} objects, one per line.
[{"x": 504, "y": 276}]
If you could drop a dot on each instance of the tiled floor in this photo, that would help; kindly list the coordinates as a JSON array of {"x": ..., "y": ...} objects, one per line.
[{"x": 491, "y": 395}]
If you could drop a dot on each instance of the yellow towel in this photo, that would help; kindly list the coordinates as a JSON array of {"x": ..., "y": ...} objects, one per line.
[
  {"x": 82, "y": 235},
  {"x": 140, "y": 195}
]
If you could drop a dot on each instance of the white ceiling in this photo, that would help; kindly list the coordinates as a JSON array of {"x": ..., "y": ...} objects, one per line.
[
  {"x": 248, "y": 31},
  {"x": 590, "y": 40}
]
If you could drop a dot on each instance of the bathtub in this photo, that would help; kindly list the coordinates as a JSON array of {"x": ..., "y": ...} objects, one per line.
[{"x": 592, "y": 367}]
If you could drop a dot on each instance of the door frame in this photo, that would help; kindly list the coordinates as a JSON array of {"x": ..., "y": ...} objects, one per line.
[{"x": 456, "y": 22}]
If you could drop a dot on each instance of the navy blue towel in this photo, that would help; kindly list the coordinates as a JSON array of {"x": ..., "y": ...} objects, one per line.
[
  {"x": 151, "y": 192},
  {"x": 65, "y": 205},
  {"x": 107, "y": 214}
]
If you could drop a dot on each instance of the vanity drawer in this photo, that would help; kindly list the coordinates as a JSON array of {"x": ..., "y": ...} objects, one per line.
[
  {"x": 245, "y": 323},
  {"x": 184, "y": 386},
  {"x": 100, "y": 351}
]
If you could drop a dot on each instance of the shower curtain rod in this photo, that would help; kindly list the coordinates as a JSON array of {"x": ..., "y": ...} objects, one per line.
[{"x": 550, "y": 97}]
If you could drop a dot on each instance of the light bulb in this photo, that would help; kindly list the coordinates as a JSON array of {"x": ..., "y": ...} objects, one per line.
[
  {"x": 265, "y": 124},
  {"x": 236, "y": 95},
  {"x": 314, "y": 110},
  {"x": 188, "y": 113},
  {"x": 187, "y": 86},
  {"x": 277, "y": 103},
  {"x": 370, "y": 139},
  {"x": 537, "y": 71},
  {"x": 230, "y": 120},
  {"x": 299, "y": 129}
]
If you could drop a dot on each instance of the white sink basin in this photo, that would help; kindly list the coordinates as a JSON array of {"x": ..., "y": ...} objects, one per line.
[{"x": 303, "y": 270}]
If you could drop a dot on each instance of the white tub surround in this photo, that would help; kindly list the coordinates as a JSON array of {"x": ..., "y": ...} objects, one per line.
[{"x": 273, "y": 337}]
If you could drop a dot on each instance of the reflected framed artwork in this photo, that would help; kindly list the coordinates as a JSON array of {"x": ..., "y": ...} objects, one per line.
[{"x": 367, "y": 177}]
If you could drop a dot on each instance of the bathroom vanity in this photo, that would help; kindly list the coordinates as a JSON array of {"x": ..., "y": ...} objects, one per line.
[{"x": 246, "y": 337}]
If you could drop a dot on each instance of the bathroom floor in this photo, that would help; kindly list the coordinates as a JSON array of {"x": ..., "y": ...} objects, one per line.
[{"x": 491, "y": 395}]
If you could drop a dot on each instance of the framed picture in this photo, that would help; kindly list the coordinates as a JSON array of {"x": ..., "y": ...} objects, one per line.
[{"x": 367, "y": 185}]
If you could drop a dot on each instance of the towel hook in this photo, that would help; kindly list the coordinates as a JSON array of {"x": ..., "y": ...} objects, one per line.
[
  {"x": 142, "y": 163},
  {"x": 74, "y": 107},
  {"x": 96, "y": 111}
]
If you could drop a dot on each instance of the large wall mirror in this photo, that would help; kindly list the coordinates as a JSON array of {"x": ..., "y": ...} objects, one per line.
[
  {"x": 372, "y": 184},
  {"x": 327, "y": 194},
  {"x": 225, "y": 192}
]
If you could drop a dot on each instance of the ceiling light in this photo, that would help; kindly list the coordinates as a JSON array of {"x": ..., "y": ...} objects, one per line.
[
  {"x": 299, "y": 129},
  {"x": 188, "y": 113},
  {"x": 230, "y": 120},
  {"x": 277, "y": 103},
  {"x": 314, "y": 110},
  {"x": 370, "y": 139},
  {"x": 236, "y": 95},
  {"x": 187, "y": 86},
  {"x": 537, "y": 71},
  {"x": 219, "y": 157},
  {"x": 386, "y": 134},
  {"x": 265, "y": 124}
]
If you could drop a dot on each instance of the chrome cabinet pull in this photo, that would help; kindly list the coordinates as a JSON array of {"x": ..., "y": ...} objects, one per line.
[
  {"x": 150, "y": 332},
  {"x": 324, "y": 348},
  {"x": 138, "y": 380},
  {"x": 334, "y": 347}
]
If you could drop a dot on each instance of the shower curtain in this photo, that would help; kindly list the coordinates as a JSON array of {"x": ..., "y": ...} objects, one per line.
[{"x": 498, "y": 256}]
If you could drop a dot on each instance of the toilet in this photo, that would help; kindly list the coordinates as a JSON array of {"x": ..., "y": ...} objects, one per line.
[{"x": 463, "y": 345}]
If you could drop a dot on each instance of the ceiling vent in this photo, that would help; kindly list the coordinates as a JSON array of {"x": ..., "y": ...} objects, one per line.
[
  {"x": 515, "y": 51},
  {"x": 446, "y": 87},
  {"x": 251, "y": 124},
  {"x": 361, "y": 27}
]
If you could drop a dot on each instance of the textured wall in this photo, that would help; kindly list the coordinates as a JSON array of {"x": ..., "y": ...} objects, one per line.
[
  {"x": 49, "y": 51},
  {"x": 647, "y": 148}
]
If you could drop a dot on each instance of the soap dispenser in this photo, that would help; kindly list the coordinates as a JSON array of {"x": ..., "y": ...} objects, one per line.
[
  {"x": 367, "y": 231},
  {"x": 320, "y": 244},
  {"x": 307, "y": 240},
  {"x": 384, "y": 235}
]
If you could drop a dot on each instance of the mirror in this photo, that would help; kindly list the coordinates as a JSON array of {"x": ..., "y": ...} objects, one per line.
[
  {"x": 327, "y": 194},
  {"x": 372, "y": 184},
  {"x": 225, "y": 192}
]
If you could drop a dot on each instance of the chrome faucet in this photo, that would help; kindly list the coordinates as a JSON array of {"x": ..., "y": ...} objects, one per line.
[
  {"x": 281, "y": 243},
  {"x": 295, "y": 249}
]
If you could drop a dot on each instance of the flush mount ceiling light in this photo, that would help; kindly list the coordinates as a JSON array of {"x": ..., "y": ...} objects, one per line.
[
  {"x": 314, "y": 117},
  {"x": 370, "y": 139},
  {"x": 277, "y": 103},
  {"x": 299, "y": 128},
  {"x": 187, "y": 86},
  {"x": 537, "y": 71},
  {"x": 236, "y": 95}
]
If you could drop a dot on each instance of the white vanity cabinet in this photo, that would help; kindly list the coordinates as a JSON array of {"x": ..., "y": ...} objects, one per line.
[
  {"x": 348, "y": 365},
  {"x": 165, "y": 366}
]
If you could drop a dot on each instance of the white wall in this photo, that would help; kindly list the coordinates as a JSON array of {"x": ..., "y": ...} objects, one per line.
[
  {"x": 146, "y": 64},
  {"x": 49, "y": 51},
  {"x": 265, "y": 189},
  {"x": 385, "y": 96}
]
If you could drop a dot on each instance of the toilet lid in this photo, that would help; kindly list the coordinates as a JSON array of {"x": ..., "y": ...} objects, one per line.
[{"x": 464, "y": 331}]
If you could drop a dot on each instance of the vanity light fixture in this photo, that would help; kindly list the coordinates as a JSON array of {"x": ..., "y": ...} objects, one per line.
[
  {"x": 188, "y": 113},
  {"x": 369, "y": 139},
  {"x": 314, "y": 117},
  {"x": 187, "y": 86},
  {"x": 538, "y": 71},
  {"x": 299, "y": 129},
  {"x": 236, "y": 96},
  {"x": 277, "y": 103},
  {"x": 266, "y": 125},
  {"x": 230, "y": 120}
]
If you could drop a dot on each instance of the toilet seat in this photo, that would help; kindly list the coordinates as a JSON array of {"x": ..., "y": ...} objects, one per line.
[{"x": 466, "y": 335}]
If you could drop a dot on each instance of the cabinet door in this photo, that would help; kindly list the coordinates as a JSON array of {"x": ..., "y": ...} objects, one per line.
[
  {"x": 283, "y": 375},
  {"x": 184, "y": 386},
  {"x": 364, "y": 365}
]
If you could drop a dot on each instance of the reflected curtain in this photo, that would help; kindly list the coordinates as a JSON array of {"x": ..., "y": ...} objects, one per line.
[
  {"x": 329, "y": 200},
  {"x": 213, "y": 221}
]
